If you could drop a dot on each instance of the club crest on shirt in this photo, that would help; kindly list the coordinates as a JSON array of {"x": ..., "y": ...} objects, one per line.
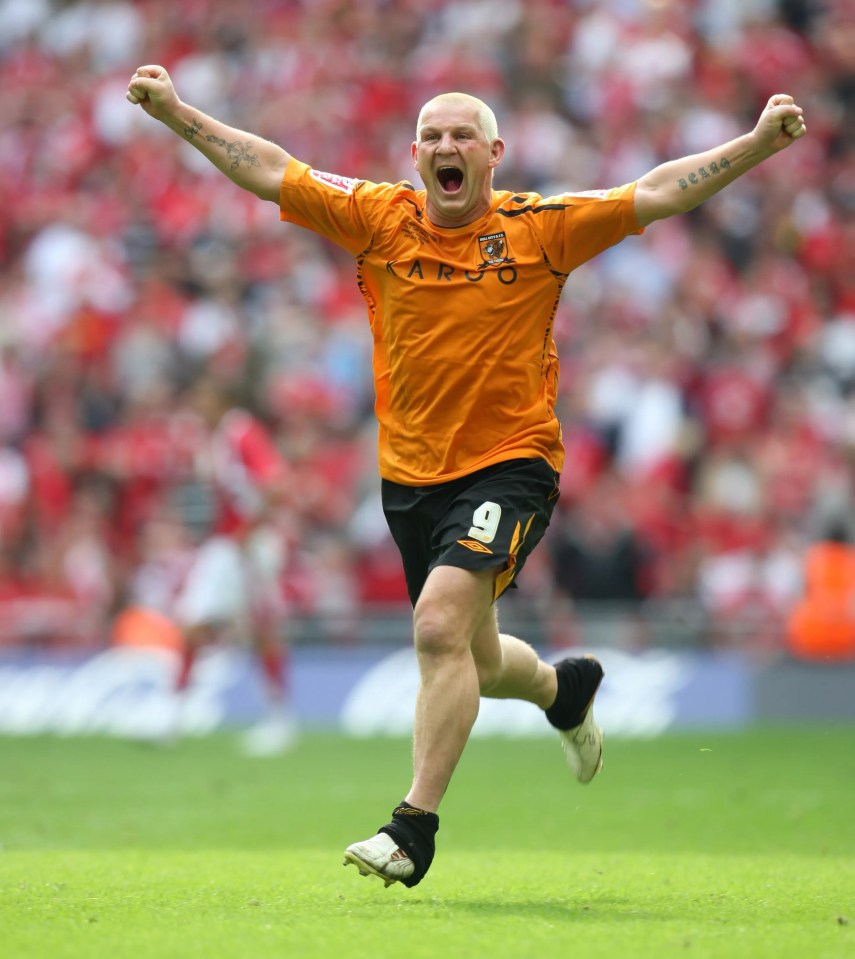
[{"x": 493, "y": 247}]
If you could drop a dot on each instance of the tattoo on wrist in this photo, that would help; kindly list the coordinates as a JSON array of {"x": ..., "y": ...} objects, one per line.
[
  {"x": 703, "y": 173},
  {"x": 237, "y": 152},
  {"x": 193, "y": 129}
]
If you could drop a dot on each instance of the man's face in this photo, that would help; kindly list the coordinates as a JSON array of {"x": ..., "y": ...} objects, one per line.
[{"x": 456, "y": 162}]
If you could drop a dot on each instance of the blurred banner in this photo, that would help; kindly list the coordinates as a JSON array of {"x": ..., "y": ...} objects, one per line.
[{"x": 125, "y": 692}]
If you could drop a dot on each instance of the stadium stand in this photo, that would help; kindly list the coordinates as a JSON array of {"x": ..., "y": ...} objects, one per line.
[{"x": 708, "y": 370}]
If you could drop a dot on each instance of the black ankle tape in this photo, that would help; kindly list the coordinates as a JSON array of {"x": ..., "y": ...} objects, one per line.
[
  {"x": 414, "y": 830},
  {"x": 406, "y": 809}
]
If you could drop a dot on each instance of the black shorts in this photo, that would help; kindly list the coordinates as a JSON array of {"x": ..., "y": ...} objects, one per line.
[{"x": 493, "y": 517}]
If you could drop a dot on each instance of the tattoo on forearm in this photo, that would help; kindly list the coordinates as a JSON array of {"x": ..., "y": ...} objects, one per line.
[
  {"x": 193, "y": 129},
  {"x": 703, "y": 173},
  {"x": 237, "y": 152}
]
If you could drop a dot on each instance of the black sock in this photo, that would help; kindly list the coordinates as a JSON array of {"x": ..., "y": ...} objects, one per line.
[
  {"x": 414, "y": 830},
  {"x": 578, "y": 680}
]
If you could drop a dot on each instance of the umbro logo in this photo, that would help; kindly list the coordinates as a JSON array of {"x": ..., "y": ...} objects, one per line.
[{"x": 475, "y": 546}]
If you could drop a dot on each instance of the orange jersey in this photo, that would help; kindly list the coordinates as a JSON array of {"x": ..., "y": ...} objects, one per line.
[{"x": 465, "y": 368}]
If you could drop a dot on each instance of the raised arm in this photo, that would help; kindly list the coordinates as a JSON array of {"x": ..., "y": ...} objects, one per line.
[
  {"x": 680, "y": 185},
  {"x": 255, "y": 164}
]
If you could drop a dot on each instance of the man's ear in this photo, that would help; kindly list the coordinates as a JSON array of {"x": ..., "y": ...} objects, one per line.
[
  {"x": 414, "y": 151},
  {"x": 497, "y": 151}
]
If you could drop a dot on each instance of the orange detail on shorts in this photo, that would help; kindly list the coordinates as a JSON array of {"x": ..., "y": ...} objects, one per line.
[
  {"x": 505, "y": 578},
  {"x": 515, "y": 541},
  {"x": 459, "y": 391}
]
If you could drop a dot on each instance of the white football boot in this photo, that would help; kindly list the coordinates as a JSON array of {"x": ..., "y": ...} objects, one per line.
[{"x": 380, "y": 856}]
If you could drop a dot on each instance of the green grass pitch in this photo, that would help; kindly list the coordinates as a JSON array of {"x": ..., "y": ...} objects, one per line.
[{"x": 695, "y": 845}]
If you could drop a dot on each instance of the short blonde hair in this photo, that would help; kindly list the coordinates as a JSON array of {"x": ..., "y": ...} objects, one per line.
[{"x": 486, "y": 117}]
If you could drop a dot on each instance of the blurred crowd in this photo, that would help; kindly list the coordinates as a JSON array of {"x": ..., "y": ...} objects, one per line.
[{"x": 708, "y": 368}]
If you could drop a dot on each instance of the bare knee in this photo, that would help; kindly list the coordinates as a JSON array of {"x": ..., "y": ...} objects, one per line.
[
  {"x": 436, "y": 631},
  {"x": 448, "y": 616}
]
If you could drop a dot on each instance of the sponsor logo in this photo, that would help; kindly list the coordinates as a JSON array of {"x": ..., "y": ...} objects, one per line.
[
  {"x": 344, "y": 183},
  {"x": 445, "y": 273},
  {"x": 475, "y": 546}
]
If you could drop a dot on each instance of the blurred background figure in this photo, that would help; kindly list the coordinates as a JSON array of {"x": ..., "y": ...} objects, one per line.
[
  {"x": 237, "y": 494},
  {"x": 212, "y": 569},
  {"x": 822, "y": 625}
]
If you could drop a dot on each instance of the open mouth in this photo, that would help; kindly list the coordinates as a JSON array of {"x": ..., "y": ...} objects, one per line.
[{"x": 450, "y": 179}]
